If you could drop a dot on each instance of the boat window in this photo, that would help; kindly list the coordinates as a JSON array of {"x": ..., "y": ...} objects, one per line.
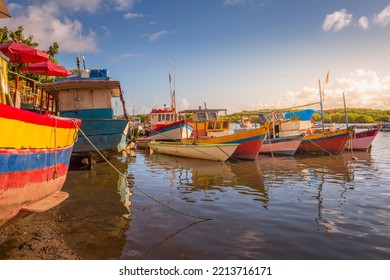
[
  {"x": 202, "y": 116},
  {"x": 210, "y": 125},
  {"x": 279, "y": 116},
  {"x": 225, "y": 125},
  {"x": 167, "y": 116},
  {"x": 262, "y": 119},
  {"x": 218, "y": 124},
  {"x": 213, "y": 116},
  {"x": 159, "y": 117}
]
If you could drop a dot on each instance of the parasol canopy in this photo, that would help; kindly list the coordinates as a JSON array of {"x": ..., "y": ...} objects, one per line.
[
  {"x": 4, "y": 13},
  {"x": 47, "y": 68},
  {"x": 19, "y": 52}
]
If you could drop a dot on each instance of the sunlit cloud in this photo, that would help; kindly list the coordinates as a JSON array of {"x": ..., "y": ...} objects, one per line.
[
  {"x": 362, "y": 89},
  {"x": 337, "y": 21},
  {"x": 363, "y": 22},
  {"x": 383, "y": 18}
]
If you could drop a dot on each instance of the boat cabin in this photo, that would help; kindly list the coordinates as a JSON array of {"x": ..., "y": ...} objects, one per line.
[
  {"x": 161, "y": 117},
  {"x": 282, "y": 127},
  {"x": 84, "y": 97},
  {"x": 207, "y": 122}
]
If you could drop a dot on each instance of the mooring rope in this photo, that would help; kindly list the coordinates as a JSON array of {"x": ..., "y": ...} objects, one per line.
[{"x": 138, "y": 188}]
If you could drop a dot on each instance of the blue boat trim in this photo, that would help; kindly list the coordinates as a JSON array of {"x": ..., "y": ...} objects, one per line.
[{"x": 34, "y": 160}]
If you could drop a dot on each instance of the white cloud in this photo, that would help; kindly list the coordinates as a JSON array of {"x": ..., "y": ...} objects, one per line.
[
  {"x": 363, "y": 22},
  {"x": 337, "y": 21},
  {"x": 362, "y": 88},
  {"x": 132, "y": 16},
  {"x": 45, "y": 24},
  {"x": 383, "y": 18},
  {"x": 157, "y": 36},
  {"x": 48, "y": 22},
  {"x": 183, "y": 104},
  {"x": 123, "y": 4},
  {"x": 126, "y": 56},
  {"x": 234, "y": 2}
]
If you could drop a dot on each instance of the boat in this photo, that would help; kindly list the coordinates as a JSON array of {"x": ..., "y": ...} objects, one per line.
[
  {"x": 283, "y": 138},
  {"x": 35, "y": 153},
  {"x": 89, "y": 96},
  {"x": 315, "y": 140},
  {"x": 164, "y": 124},
  {"x": 327, "y": 142},
  {"x": 362, "y": 140},
  {"x": 385, "y": 126},
  {"x": 209, "y": 129},
  {"x": 218, "y": 152},
  {"x": 245, "y": 123}
]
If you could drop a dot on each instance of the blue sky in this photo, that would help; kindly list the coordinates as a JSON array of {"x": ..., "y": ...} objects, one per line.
[{"x": 234, "y": 54}]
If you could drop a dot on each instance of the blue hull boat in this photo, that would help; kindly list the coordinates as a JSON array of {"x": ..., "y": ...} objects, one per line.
[{"x": 89, "y": 97}]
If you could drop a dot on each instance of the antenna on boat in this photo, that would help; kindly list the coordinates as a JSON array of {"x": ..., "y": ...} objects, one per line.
[
  {"x": 78, "y": 63},
  {"x": 82, "y": 46}
]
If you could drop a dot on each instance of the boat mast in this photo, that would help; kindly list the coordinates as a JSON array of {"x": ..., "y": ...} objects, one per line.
[
  {"x": 322, "y": 109},
  {"x": 345, "y": 110},
  {"x": 173, "y": 92}
]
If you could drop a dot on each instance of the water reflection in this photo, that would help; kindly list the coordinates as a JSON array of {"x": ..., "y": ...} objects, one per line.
[
  {"x": 96, "y": 214},
  {"x": 192, "y": 176}
]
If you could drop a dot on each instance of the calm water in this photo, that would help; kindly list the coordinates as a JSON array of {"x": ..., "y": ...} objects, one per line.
[{"x": 283, "y": 208}]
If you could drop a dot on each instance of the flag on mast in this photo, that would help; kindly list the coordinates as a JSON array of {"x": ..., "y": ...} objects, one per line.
[
  {"x": 327, "y": 77},
  {"x": 323, "y": 89}
]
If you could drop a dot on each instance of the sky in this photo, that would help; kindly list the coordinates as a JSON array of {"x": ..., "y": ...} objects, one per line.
[{"x": 231, "y": 54}]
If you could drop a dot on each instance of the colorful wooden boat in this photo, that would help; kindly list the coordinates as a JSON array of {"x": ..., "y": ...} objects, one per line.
[
  {"x": 164, "y": 123},
  {"x": 284, "y": 135},
  {"x": 165, "y": 126},
  {"x": 362, "y": 140},
  {"x": 328, "y": 142},
  {"x": 35, "y": 152},
  {"x": 89, "y": 97},
  {"x": 209, "y": 129},
  {"x": 284, "y": 146},
  {"x": 34, "y": 155},
  {"x": 219, "y": 152},
  {"x": 385, "y": 126},
  {"x": 314, "y": 141},
  {"x": 142, "y": 142}
]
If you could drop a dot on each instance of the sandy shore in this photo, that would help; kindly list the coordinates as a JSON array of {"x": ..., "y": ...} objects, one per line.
[{"x": 40, "y": 236}]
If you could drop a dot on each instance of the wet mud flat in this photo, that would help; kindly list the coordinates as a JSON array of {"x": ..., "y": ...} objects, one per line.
[{"x": 39, "y": 236}]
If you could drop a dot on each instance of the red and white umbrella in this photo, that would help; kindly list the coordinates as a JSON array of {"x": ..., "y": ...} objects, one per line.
[{"x": 47, "y": 68}]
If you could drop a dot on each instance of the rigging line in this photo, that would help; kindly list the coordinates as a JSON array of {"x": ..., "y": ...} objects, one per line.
[{"x": 138, "y": 188}]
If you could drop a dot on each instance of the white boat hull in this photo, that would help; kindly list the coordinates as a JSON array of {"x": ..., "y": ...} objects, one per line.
[{"x": 219, "y": 152}]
